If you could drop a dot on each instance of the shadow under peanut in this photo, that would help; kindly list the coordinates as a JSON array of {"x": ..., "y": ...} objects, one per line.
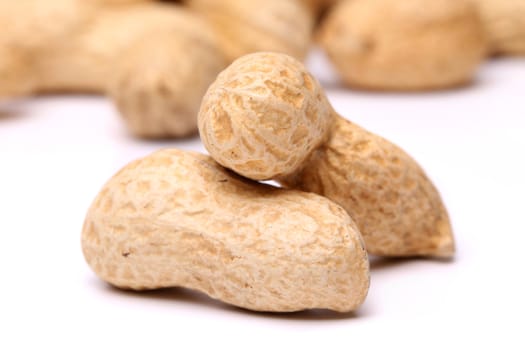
[
  {"x": 378, "y": 264},
  {"x": 9, "y": 111},
  {"x": 178, "y": 295},
  {"x": 201, "y": 300}
]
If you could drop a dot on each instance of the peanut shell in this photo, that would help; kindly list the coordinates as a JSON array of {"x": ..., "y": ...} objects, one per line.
[
  {"x": 247, "y": 125},
  {"x": 177, "y": 218},
  {"x": 404, "y": 45}
]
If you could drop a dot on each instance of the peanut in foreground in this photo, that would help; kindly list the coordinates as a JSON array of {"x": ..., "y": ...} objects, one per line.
[
  {"x": 179, "y": 219},
  {"x": 266, "y": 117}
]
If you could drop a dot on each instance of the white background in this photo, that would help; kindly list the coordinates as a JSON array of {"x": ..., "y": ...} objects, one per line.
[{"x": 56, "y": 153}]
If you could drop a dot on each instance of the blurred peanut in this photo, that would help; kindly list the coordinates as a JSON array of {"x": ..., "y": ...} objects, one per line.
[
  {"x": 82, "y": 46},
  {"x": 505, "y": 24},
  {"x": 159, "y": 87},
  {"x": 404, "y": 45},
  {"x": 246, "y": 26}
]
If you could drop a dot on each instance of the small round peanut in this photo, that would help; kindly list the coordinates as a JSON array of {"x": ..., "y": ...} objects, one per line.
[
  {"x": 404, "y": 45},
  {"x": 248, "y": 120},
  {"x": 176, "y": 218},
  {"x": 275, "y": 115}
]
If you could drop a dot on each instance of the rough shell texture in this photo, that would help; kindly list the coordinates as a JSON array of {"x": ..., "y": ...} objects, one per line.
[
  {"x": 404, "y": 45},
  {"x": 395, "y": 205},
  {"x": 505, "y": 24},
  {"x": 159, "y": 87},
  {"x": 179, "y": 219},
  {"x": 263, "y": 116},
  {"x": 247, "y": 26}
]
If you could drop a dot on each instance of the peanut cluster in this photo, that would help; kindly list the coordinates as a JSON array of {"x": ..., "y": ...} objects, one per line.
[
  {"x": 155, "y": 59},
  {"x": 181, "y": 219}
]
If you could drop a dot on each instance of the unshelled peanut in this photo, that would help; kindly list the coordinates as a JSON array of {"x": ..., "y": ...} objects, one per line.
[
  {"x": 266, "y": 117},
  {"x": 85, "y": 46},
  {"x": 246, "y": 26},
  {"x": 176, "y": 218},
  {"x": 404, "y": 45}
]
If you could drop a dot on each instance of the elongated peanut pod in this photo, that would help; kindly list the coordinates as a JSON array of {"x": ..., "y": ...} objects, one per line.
[
  {"x": 404, "y": 45},
  {"x": 155, "y": 59},
  {"x": 383, "y": 189},
  {"x": 266, "y": 117},
  {"x": 179, "y": 219},
  {"x": 90, "y": 59}
]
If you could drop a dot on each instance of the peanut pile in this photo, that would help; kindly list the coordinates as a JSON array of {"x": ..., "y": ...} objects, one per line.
[
  {"x": 231, "y": 71},
  {"x": 155, "y": 59},
  {"x": 182, "y": 219}
]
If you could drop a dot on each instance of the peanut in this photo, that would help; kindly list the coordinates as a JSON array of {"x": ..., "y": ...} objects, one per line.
[
  {"x": 505, "y": 24},
  {"x": 177, "y": 218},
  {"x": 81, "y": 47},
  {"x": 158, "y": 89},
  {"x": 246, "y": 26},
  {"x": 404, "y": 45},
  {"x": 266, "y": 117},
  {"x": 28, "y": 26}
]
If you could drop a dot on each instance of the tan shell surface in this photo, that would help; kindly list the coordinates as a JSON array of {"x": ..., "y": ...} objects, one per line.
[
  {"x": 35, "y": 23},
  {"x": 177, "y": 218},
  {"x": 158, "y": 88},
  {"x": 77, "y": 47},
  {"x": 247, "y": 26},
  {"x": 27, "y": 28},
  {"x": 404, "y": 45},
  {"x": 88, "y": 61},
  {"x": 14, "y": 77},
  {"x": 393, "y": 202},
  {"x": 505, "y": 24},
  {"x": 156, "y": 60},
  {"x": 263, "y": 116}
]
